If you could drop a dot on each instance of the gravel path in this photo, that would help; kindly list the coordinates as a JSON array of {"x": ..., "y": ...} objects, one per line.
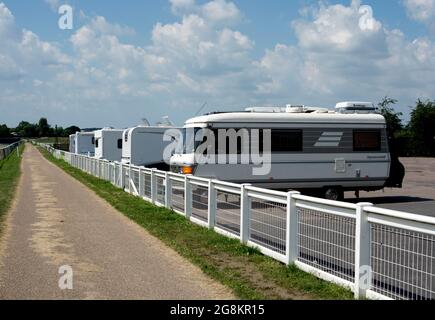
[{"x": 56, "y": 221}]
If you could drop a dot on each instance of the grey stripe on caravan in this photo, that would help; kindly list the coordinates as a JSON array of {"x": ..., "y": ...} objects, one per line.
[
  {"x": 309, "y": 180},
  {"x": 329, "y": 139},
  {"x": 338, "y": 134},
  {"x": 327, "y": 144}
]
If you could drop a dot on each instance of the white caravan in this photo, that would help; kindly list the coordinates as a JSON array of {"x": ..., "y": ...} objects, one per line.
[
  {"x": 144, "y": 146},
  {"x": 82, "y": 143},
  {"x": 312, "y": 149},
  {"x": 72, "y": 143},
  {"x": 108, "y": 144}
]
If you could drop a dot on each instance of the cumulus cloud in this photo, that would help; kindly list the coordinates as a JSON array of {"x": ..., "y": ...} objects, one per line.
[
  {"x": 344, "y": 52},
  {"x": 421, "y": 10},
  {"x": 340, "y": 28},
  {"x": 54, "y": 4},
  {"x": 181, "y": 6},
  {"x": 215, "y": 11},
  {"x": 221, "y": 11}
]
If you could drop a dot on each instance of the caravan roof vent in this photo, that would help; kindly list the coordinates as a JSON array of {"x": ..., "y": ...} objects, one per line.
[
  {"x": 294, "y": 109},
  {"x": 355, "y": 107}
]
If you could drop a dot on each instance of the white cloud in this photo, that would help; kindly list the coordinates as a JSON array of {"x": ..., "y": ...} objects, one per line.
[
  {"x": 54, "y": 4},
  {"x": 215, "y": 11},
  {"x": 180, "y": 6},
  {"x": 340, "y": 28},
  {"x": 7, "y": 22},
  {"x": 221, "y": 11},
  {"x": 421, "y": 10},
  {"x": 344, "y": 52}
]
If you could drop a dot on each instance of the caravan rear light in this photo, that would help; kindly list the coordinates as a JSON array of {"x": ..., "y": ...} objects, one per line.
[{"x": 187, "y": 170}]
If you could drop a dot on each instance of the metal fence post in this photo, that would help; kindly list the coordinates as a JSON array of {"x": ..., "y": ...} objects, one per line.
[
  {"x": 187, "y": 197},
  {"x": 292, "y": 228},
  {"x": 245, "y": 210},
  {"x": 153, "y": 186},
  {"x": 211, "y": 205},
  {"x": 362, "y": 251},
  {"x": 168, "y": 190}
]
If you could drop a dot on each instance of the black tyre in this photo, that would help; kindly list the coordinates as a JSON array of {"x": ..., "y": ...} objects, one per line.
[{"x": 334, "y": 194}]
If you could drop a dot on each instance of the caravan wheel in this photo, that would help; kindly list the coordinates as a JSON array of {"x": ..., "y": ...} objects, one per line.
[{"x": 334, "y": 193}]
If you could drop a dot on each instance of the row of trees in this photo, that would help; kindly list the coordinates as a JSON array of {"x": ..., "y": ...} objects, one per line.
[
  {"x": 36, "y": 130},
  {"x": 417, "y": 138}
]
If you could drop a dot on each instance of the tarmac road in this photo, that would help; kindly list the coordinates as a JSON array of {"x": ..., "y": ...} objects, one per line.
[
  {"x": 56, "y": 221},
  {"x": 418, "y": 192}
]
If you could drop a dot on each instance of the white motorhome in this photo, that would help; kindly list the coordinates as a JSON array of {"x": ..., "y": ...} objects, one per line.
[
  {"x": 144, "y": 146},
  {"x": 312, "y": 149},
  {"x": 82, "y": 143},
  {"x": 108, "y": 144}
]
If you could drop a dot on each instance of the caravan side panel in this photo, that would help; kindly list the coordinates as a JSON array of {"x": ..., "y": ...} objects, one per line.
[{"x": 111, "y": 151}]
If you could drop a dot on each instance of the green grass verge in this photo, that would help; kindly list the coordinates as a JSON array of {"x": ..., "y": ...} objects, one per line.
[
  {"x": 9, "y": 176},
  {"x": 246, "y": 271}
]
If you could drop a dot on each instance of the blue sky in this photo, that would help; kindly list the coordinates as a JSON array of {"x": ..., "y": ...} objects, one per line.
[
  {"x": 125, "y": 60},
  {"x": 267, "y": 22}
]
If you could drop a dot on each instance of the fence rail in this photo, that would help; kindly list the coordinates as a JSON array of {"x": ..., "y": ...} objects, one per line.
[
  {"x": 376, "y": 253},
  {"x": 6, "y": 151}
]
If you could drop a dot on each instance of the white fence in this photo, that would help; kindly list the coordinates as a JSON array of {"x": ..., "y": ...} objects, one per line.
[
  {"x": 377, "y": 253},
  {"x": 6, "y": 151}
]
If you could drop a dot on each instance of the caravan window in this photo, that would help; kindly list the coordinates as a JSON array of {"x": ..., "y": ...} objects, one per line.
[
  {"x": 287, "y": 141},
  {"x": 367, "y": 140},
  {"x": 119, "y": 143},
  {"x": 96, "y": 143}
]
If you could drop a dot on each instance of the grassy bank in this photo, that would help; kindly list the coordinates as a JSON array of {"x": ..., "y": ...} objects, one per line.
[
  {"x": 247, "y": 272},
  {"x": 9, "y": 175}
]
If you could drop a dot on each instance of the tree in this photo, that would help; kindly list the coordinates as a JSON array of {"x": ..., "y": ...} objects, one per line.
[
  {"x": 43, "y": 127},
  {"x": 5, "y": 132},
  {"x": 27, "y": 130},
  {"x": 70, "y": 130},
  {"x": 394, "y": 123},
  {"x": 422, "y": 128}
]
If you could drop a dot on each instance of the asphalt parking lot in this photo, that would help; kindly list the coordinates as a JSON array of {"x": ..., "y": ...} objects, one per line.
[{"x": 416, "y": 196}]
